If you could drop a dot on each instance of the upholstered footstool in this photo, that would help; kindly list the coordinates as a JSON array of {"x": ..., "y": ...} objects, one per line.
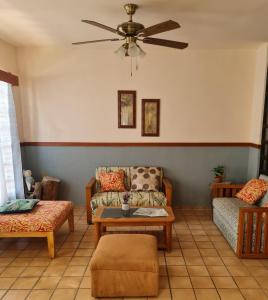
[{"x": 125, "y": 265}]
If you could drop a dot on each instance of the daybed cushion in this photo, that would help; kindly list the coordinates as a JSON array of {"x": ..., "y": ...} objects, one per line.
[
  {"x": 226, "y": 217},
  {"x": 264, "y": 200},
  {"x": 136, "y": 199},
  {"x": 46, "y": 216}
]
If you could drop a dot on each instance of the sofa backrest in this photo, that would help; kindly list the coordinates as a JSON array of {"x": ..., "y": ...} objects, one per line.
[{"x": 112, "y": 169}]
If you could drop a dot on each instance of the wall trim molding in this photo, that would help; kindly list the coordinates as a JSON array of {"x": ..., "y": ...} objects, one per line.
[
  {"x": 9, "y": 78},
  {"x": 154, "y": 144}
]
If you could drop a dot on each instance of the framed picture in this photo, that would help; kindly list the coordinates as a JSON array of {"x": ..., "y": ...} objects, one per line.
[
  {"x": 150, "y": 117},
  {"x": 126, "y": 109}
]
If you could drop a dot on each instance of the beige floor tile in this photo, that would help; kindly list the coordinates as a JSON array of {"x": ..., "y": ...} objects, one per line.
[
  {"x": 246, "y": 282},
  {"x": 177, "y": 271},
  {"x": 226, "y": 252},
  {"x": 12, "y": 271},
  {"x": 202, "y": 282},
  {"x": 197, "y": 271},
  {"x": 230, "y": 294},
  {"x": 224, "y": 282},
  {"x": 190, "y": 252},
  {"x": 253, "y": 294},
  {"x": 69, "y": 282},
  {"x": 218, "y": 271},
  {"x": 66, "y": 252},
  {"x": 175, "y": 261},
  {"x": 194, "y": 261},
  {"x": 5, "y": 283},
  {"x": 84, "y": 294},
  {"x": 258, "y": 271},
  {"x": 16, "y": 295},
  {"x": 21, "y": 262},
  {"x": 206, "y": 294},
  {"x": 238, "y": 270},
  {"x": 24, "y": 283},
  {"x": 86, "y": 283},
  {"x": 231, "y": 261},
  {"x": 39, "y": 262},
  {"x": 209, "y": 252},
  {"x": 163, "y": 294},
  {"x": 163, "y": 282},
  {"x": 54, "y": 271},
  {"x": 40, "y": 295},
  {"x": 84, "y": 252},
  {"x": 252, "y": 262},
  {"x": 204, "y": 244},
  {"x": 180, "y": 282},
  {"x": 47, "y": 283},
  {"x": 202, "y": 238},
  {"x": 212, "y": 261},
  {"x": 163, "y": 270},
  {"x": 32, "y": 271},
  {"x": 79, "y": 261},
  {"x": 263, "y": 282},
  {"x": 188, "y": 245},
  {"x": 64, "y": 294},
  {"x": 75, "y": 271},
  {"x": 2, "y": 293},
  {"x": 173, "y": 252},
  {"x": 183, "y": 294}
]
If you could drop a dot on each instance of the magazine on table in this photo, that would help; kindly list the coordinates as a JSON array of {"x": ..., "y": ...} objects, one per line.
[{"x": 151, "y": 212}]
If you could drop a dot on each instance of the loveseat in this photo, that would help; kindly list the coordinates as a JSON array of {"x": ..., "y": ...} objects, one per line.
[
  {"x": 95, "y": 197},
  {"x": 244, "y": 226}
]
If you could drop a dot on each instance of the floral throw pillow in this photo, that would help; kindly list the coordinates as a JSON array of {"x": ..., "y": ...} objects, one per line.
[
  {"x": 253, "y": 191},
  {"x": 145, "y": 179},
  {"x": 112, "y": 181}
]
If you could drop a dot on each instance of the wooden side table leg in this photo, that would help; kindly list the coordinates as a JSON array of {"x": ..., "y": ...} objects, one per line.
[
  {"x": 51, "y": 244},
  {"x": 71, "y": 220},
  {"x": 168, "y": 236},
  {"x": 98, "y": 232}
]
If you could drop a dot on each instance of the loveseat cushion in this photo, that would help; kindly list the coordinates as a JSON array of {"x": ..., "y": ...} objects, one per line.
[
  {"x": 145, "y": 178},
  {"x": 100, "y": 170},
  {"x": 136, "y": 199},
  {"x": 229, "y": 209}
]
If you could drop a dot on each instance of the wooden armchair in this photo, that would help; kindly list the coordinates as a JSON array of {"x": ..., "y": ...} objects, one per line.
[
  {"x": 252, "y": 231},
  {"x": 91, "y": 190}
]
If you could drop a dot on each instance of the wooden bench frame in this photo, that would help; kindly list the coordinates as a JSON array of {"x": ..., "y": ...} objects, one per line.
[
  {"x": 50, "y": 235},
  {"x": 91, "y": 189},
  {"x": 252, "y": 221}
]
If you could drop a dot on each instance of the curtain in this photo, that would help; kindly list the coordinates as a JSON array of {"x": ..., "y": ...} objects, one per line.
[{"x": 11, "y": 180}]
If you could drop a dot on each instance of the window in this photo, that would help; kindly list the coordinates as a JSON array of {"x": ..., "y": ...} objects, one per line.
[{"x": 11, "y": 185}]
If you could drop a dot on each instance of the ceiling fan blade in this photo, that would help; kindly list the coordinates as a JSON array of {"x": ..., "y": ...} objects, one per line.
[
  {"x": 103, "y": 27},
  {"x": 95, "y": 41},
  {"x": 158, "y": 28},
  {"x": 165, "y": 43}
]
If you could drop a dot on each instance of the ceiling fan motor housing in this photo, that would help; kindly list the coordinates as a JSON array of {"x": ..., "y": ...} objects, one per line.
[{"x": 130, "y": 28}]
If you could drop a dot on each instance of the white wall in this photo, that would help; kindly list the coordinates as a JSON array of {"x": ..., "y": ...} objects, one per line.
[
  {"x": 8, "y": 63},
  {"x": 257, "y": 106},
  {"x": 70, "y": 94}
]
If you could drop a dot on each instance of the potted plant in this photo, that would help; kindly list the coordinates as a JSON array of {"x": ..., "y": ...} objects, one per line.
[{"x": 218, "y": 173}]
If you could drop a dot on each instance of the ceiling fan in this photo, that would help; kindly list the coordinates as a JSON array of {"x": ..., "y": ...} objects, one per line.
[{"x": 131, "y": 32}]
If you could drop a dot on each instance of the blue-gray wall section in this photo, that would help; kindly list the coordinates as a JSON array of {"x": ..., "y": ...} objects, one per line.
[
  {"x": 253, "y": 162},
  {"x": 189, "y": 168}
]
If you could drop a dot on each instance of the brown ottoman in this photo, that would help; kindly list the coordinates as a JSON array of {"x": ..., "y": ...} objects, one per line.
[{"x": 125, "y": 265}]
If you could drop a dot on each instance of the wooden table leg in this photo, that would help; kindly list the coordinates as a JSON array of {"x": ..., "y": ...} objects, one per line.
[
  {"x": 168, "y": 235},
  {"x": 98, "y": 232},
  {"x": 71, "y": 220},
  {"x": 51, "y": 244}
]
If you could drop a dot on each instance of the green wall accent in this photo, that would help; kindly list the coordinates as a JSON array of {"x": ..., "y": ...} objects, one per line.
[
  {"x": 253, "y": 162},
  {"x": 189, "y": 168}
]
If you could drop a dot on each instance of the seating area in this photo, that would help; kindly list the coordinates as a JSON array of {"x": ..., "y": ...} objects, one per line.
[{"x": 133, "y": 150}]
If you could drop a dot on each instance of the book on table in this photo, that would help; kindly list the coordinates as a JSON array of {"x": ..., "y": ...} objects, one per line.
[{"x": 151, "y": 212}]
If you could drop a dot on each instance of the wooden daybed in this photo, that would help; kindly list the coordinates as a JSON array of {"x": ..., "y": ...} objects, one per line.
[{"x": 43, "y": 221}]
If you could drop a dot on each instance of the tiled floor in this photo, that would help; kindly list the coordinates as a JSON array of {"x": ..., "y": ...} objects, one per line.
[{"x": 200, "y": 266}]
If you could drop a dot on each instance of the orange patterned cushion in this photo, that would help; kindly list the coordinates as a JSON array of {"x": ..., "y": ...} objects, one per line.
[
  {"x": 112, "y": 181},
  {"x": 45, "y": 216},
  {"x": 253, "y": 191}
]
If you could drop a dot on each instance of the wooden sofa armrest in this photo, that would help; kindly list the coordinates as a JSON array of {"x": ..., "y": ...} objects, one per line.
[
  {"x": 225, "y": 190},
  {"x": 167, "y": 188},
  {"x": 252, "y": 240},
  {"x": 90, "y": 189}
]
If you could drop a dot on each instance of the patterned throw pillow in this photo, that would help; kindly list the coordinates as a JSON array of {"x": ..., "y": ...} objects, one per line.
[
  {"x": 112, "y": 181},
  {"x": 145, "y": 179},
  {"x": 253, "y": 191}
]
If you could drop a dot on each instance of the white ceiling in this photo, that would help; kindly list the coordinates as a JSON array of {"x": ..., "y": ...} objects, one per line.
[{"x": 205, "y": 23}]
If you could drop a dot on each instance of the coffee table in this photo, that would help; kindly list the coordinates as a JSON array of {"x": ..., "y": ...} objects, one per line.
[{"x": 102, "y": 222}]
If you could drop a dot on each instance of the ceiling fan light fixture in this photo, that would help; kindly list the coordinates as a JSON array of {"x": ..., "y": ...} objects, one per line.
[
  {"x": 122, "y": 51},
  {"x": 135, "y": 50}
]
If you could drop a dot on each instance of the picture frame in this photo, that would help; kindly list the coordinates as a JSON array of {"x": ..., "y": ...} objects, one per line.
[
  {"x": 126, "y": 109},
  {"x": 150, "y": 117}
]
